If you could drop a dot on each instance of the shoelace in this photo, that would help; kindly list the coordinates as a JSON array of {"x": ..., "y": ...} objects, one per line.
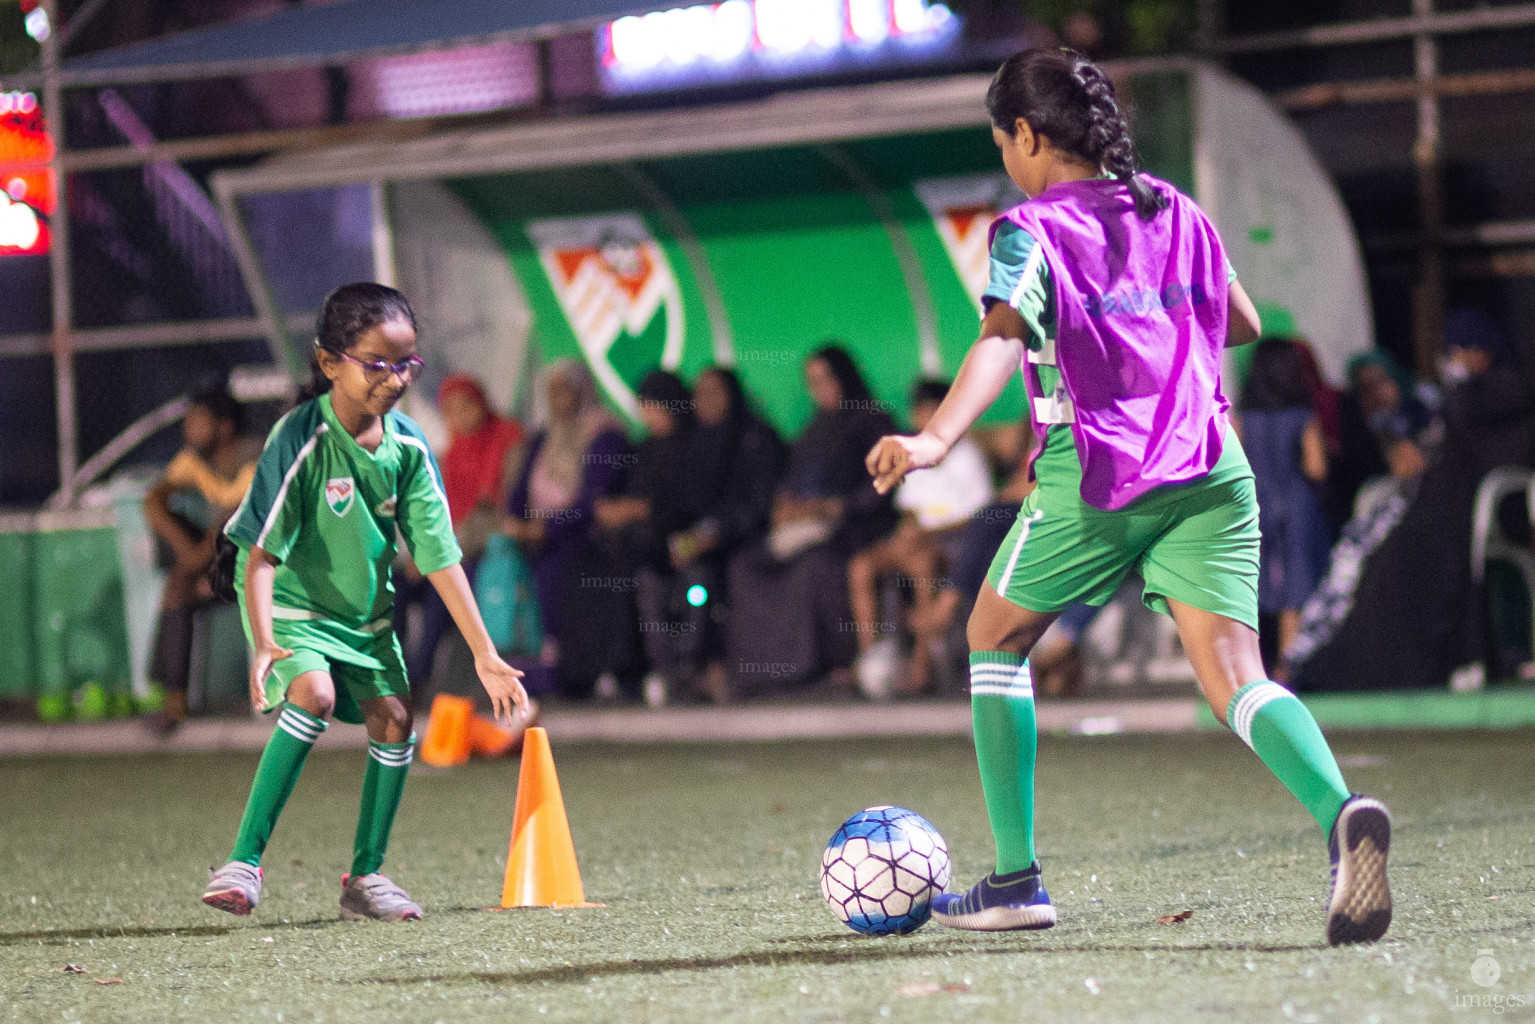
[
  {"x": 244, "y": 872},
  {"x": 384, "y": 887}
]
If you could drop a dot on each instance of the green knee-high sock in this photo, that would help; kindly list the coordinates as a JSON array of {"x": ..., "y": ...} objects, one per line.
[
  {"x": 1006, "y": 740},
  {"x": 1279, "y": 729},
  {"x": 280, "y": 765},
  {"x": 382, "y": 787}
]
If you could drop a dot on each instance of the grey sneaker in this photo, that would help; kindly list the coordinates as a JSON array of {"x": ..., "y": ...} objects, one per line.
[
  {"x": 375, "y": 898},
  {"x": 235, "y": 887},
  {"x": 1359, "y": 908}
]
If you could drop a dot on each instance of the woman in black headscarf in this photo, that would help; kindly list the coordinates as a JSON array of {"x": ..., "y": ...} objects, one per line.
[
  {"x": 730, "y": 466},
  {"x": 791, "y": 615},
  {"x": 630, "y": 540}
]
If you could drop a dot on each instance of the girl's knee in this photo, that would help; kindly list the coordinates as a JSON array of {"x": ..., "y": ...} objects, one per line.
[
  {"x": 987, "y": 632},
  {"x": 997, "y": 624},
  {"x": 389, "y": 720},
  {"x": 314, "y": 693}
]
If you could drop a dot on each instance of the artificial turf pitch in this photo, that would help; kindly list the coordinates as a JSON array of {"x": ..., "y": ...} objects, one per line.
[{"x": 706, "y": 858}]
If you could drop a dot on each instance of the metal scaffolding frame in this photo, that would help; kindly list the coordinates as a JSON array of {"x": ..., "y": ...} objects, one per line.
[{"x": 1427, "y": 87}]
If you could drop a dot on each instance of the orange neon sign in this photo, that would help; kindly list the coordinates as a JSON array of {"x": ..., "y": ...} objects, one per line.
[{"x": 27, "y": 194}]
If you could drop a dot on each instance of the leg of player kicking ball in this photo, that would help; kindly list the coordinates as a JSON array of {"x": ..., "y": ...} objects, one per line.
[
  {"x": 365, "y": 893},
  {"x": 236, "y": 887},
  {"x": 1279, "y": 729},
  {"x": 1001, "y": 635}
]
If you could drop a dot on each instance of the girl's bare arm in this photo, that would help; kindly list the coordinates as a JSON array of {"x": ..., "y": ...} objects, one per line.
[
  {"x": 1242, "y": 323},
  {"x": 260, "y": 568},
  {"x": 988, "y": 366},
  {"x": 1313, "y": 452},
  {"x": 499, "y": 679}
]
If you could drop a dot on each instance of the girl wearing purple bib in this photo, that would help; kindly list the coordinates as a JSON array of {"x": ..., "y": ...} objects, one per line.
[{"x": 1112, "y": 292}]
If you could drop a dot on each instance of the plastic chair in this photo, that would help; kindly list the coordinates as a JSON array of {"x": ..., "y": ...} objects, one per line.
[{"x": 1488, "y": 541}]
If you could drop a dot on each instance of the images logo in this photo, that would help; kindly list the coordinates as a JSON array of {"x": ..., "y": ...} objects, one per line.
[
  {"x": 1486, "y": 970},
  {"x": 338, "y": 494},
  {"x": 612, "y": 279},
  {"x": 962, "y": 209}
]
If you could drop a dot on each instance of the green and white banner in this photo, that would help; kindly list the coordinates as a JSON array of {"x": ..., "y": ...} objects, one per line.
[
  {"x": 880, "y": 245},
  {"x": 613, "y": 282}
]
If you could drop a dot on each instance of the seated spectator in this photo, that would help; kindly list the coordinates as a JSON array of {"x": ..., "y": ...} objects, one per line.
[
  {"x": 578, "y": 454},
  {"x": 634, "y": 529},
  {"x": 1398, "y": 608},
  {"x": 731, "y": 465},
  {"x": 1402, "y": 417},
  {"x": 474, "y": 478},
  {"x": 214, "y": 468},
  {"x": 1282, "y": 434},
  {"x": 1389, "y": 425},
  {"x": 935, "y": 504},
  {"x": 789, "y": 624}
]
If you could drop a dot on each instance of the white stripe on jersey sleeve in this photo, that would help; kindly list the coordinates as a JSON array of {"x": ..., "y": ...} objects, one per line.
[
  {"x": 287, "y": 480},
  {"x": 431, "y": 473}
]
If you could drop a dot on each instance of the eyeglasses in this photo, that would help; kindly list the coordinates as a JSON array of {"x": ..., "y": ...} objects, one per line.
[{"x": 378, "y": 371}]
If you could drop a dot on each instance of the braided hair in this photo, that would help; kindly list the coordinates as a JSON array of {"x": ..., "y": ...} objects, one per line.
[{"x": 1066, "y": 98}]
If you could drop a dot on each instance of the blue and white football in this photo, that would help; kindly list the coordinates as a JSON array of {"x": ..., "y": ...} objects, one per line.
[{"x": 881, "y": 870}]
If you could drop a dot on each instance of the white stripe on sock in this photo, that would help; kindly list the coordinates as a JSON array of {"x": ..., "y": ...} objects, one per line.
[
  {"x": 301, "y": 715},
  {"x": 991, "y": 675},
  {"x": 297, "y": 730},
  {"x": 1250, "y": 703},
  {"x": 994, "y": 679},
  {"x": 1002, "y": 691},
  {"x": 391, "y": 758},
  {"x": 995, "y": 675},
  {"x": 1253, "y": 702},
  {"x": 303, "y": 721}
]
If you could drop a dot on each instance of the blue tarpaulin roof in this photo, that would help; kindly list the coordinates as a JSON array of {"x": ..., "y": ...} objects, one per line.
[{"x": 337, "y": 32}]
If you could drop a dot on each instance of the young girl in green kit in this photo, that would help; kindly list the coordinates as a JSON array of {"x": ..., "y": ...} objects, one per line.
[{"x": 339, "y": 476}]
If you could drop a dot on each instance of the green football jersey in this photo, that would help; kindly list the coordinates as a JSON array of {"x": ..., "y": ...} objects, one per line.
[{"x": 327, "y": 510}]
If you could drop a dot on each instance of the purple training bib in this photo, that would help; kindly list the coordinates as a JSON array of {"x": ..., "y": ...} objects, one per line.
[{"x": 1141, "y": 328}]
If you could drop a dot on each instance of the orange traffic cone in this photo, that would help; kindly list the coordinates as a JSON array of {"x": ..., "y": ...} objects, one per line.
[
  {"x": 487, "y": 739},
  {"x": 447, "y": 731},
  {"x": 541, "y": 866}
]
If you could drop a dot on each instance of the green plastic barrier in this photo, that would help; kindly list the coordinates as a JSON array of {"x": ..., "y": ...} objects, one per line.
[
  {"x": 80, "y": 630},
  {"x": 224, "y": 662},
  {"x": 16, "y": 618}
]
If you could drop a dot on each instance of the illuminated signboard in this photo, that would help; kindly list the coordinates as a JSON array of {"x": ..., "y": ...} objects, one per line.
[
  {"x": 26, "y": 193},
  {"x": 742, "y": 40}
]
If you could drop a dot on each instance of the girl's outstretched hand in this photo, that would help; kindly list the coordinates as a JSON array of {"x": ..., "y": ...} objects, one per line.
[
  {"x": 261, "y": 664},
  {"x": 504, "y": 684},
  {"x": 896, "y": 455}
]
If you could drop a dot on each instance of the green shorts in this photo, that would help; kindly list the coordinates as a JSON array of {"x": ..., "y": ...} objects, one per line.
[
  {"x": 1195, "y": 543},
  {"x": 361, "y": 664}
]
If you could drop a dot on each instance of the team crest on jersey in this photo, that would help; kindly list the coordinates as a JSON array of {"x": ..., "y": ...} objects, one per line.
[
  {"x": 339, "y": 492},
  {"x": 963, "y": 209},
  {"x": 612, "y": 280}
]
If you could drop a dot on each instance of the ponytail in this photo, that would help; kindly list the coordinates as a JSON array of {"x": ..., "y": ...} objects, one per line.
[{"x": 1066, "y": 98}]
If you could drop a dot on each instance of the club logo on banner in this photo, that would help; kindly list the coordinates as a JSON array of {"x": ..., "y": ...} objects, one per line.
[
  {"x": 962, "y": 209},
  {"x": 338, "y": 494},
  {"x": 612, "y": 280}
]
